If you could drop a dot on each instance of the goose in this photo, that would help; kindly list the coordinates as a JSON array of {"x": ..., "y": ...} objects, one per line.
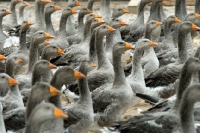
[
  {"x": 162, "y": 121},
  {"x": 114, "y": 99},
  {"x": 40, "y": 91},
  {"x": 21, "y": 11},
  {"x": 13, "y": 16},
  {"x": 167, "y": 42},
  {"x": 42, "y": 46},
  {"x": 68, "y": 75},
  {"x": 136, "y": 78},
  {"x": 90, "y": 4},
  {"x": 40, "y": 114},
  {"x": 39, "y": 24},
  {"x": 48, "y": 11},
  {"x": 2, "y": 65},
  {"x": 37, "y": 38},
  {"x": 169, "y": 73},
  {"x": 139, "y": 22},
  {"x": 13, "y": 98},
  {"x": 3, "y": 13},
  {"x": 76, "y": 39},
  {"x": 61, "y": 40},
  {"x": 80, "y": 114},
  {"x": 50, "y": 52},
  {"x": 2, "y": 125},
  {"x": 70, "y": 28}
]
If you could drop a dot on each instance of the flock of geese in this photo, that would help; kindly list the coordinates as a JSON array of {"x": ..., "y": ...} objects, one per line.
[{"x": 164, "y": 70}]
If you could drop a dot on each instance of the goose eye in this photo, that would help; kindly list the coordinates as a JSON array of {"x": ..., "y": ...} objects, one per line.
[
  {"x": 48, "y": 108},
  {"x": 3, "y": 77},
  {"x": 104, "y": 27}
]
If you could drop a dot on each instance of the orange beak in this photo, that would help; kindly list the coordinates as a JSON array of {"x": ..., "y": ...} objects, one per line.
[
  {"x": 197, "y": 15},
  {"x": 46, "y": 42},
  {"x": 51, "y": 66},
  {"x": 110, "y": 29},
  {"x": 163, "y": 2},
  {"x": 48, "y": 36},
  {"x": 56, "y": 8},
  {"x": 73, "y": 11},
  {"x": 8, "y": 12},
  {"x": 93, "y": 65},
  {"x": 27, "y": 4},
  {"x": 122, "y": 23},
  {"x": 78, "y": 75},
  {"x": 194, "y": 27},
  {"x": 47, "y": 1},
  {"x": 97, "y": 16},
  {"x": 176, "y": 20},
  {"x": 128, "y": 46},
  {"x": 54, "y": 91},
  {"x": 89, "y": 11},
  {"x": 12, "y": 81},
  {"x": 101, "y": 21},
  {"x": 59, "y": 113},
  {"x": 60, "y": 51},
  {"x": 78, "y": 3},
  {"x": 19, "y": 60},
  {"x": 153, "y": 43},
  {"x": 29, "y": 23},
  {"x": 158, "y": 23},
  {"x": 2, "y": 57},
  {"x": 20, "y": 0},
  {"x": 125, "y": 11}
]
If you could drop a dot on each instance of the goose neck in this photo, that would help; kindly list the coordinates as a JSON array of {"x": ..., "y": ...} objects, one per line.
[
  {"x": 153, "y": 12},
  {"x": 80, "y": 22},
  {"x": 182, "y": 47},
  {"x": 119, "y": 73},
  {"x": 92, "y": 50},
  {"x": 1, "y": 30},
  {"x": 180, "y": 9},
  {"x": 2, "y": 125},
  {"x": 87, "y": 29},
  {"x": 48, "y": 23},
  {"x": 186, "y": 116},
  {"x": 10, "y": 67},
  {"x": 101, "y": 55},
  {"x": 35, "y": 76},
  {"x": 197, "y": 5},
  {"x": 22, "y": 41},
  {"x": 13, "y": 15},
  {"x": 90, "y": 5},
  {"x": 21, "y": 14},
  {"x": 45, "y": 56},
  {"x": 62, "y": 26},
  {"x": 137, "y": 72},
  {"x": 140, "y": 14},
  {"x": 33, "y": 126},
  {"x": 38, "y": 19},
  {"x": 184, "y": 82}
]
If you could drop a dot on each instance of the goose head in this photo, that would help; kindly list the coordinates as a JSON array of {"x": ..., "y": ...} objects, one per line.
[
  {"x": 105, "y": 29},
  {"x": 40, "y": 36},
  {"x": 193, "y": 64},
  {"x": 152, "y": 25},
  {"x": 51, "y": 9},
  {"x": 53, "y": 51},
  {"x": 68, "y": 11},
  {"x": 4, "y": 12},
  {"x": 16, "y": 1},
  {"x": 84, "y": 11},
  {"x": 116, "y": 23},
  {"x": 144, "y": 44},
  {"x": 187, "y": 27},
  {"x": 121, "y": 47},
  {"x": 6, "y": 81},
  {"x": 25, "y": 25},
  {"x": 96, "y": 22},
  {"x": 172, "y": 19},
  {"x": 73, "y": 3},
  {"x": 43, "y": 66},
  {"x": 119, "y": 12}
]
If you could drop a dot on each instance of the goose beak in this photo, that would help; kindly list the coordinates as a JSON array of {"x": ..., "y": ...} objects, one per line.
[
  {"x": 20, "y": 0},
  {"x": 110, "y": 29},
  {"x": 60, "y": 51},
  {"x": 78, "y": 75},
  {"x": 73, "y": 11},
  {"x": 153, "y": 43},
  {"x": 101, "y": 21},
  {"x": 150, "y": 0},
  {"x": 54, "y": 91},
  {"x": 8, "y": 12},
  {"x": 51, "y": 66},
  {"x": 78, "y": 3},
  {"x": 89, "y": 11},
  {"x": 59, "y": 113},
  {"x": 122, "y": 23},
  {"x": 197, "y": 15},
  {"x": 97, "y": 16},
  {"x": 194, "y": 27},
  {"x": 12, "y": 81},
  {"x": 20, "y": 60},
  {"x": 48, "y": 36},
  {"x": 2, "y": 57},
  {"x": 158, "y": 23},
  {"x": 176, "y": 20},
  {"x": 46, "y": 42},
  {"x": 56, "y": 8},
  {"x": 125, "y": 11},
  {"x": 29, "y": 23},
  {"x": 128, "y": 46},
  {"x": 27, "y": 4},
  {"x": 163, "y": 2},
  {"x": 93, "y": 65}
]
